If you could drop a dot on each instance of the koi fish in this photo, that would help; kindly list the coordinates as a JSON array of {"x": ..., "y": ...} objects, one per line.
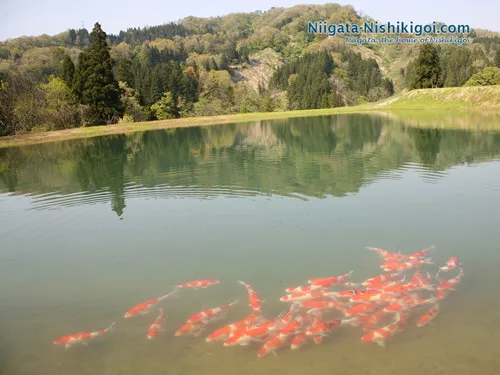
[
  {"x": 271, "y": 346},
  {"x": 329, "y": 281},
  {"x": 420, "y": 254},
  {"x": 224, "y": 332},
  {"x": 298, "y": 340},
  {"x": 194, "y": 329},
  {"x": 331, "y": 304},
  {"x": 450, "y": 264},
  {"x": 321, "y": 328},
  {"x": 255, "y": 302},
  {"x": 380, "y": 279},
  {"x": 302, "y": 289},
  {"x": 208, "y": 315},
  {"x": 81, "y": 337},
  {"x": 306, "y": 296},
  {"x": 146, "y": 307},
  {"x": 428, "y": 316},
  {"x": 198, "y": 284},
  {"x": 449, "y": 284},
  {"x": 157, "y": 325},
  {"x": 406, "y": 265},
  {"x": 381, "y": 335},
  {"x": 374, "y": 320},
  {"x": 361, "y": 308}
]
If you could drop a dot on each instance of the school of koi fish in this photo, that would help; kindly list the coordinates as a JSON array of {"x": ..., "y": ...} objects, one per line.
[{"x": 382, "y": 306}]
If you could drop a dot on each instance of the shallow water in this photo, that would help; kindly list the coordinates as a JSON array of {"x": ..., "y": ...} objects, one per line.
[{"x": 90, "y": 228}]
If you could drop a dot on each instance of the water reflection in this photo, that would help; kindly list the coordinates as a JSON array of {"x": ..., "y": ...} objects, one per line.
[{"x": 300, "y": 157}]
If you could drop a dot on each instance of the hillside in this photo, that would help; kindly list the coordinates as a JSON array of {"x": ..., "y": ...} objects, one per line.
[{"x": 238, "y": 63}]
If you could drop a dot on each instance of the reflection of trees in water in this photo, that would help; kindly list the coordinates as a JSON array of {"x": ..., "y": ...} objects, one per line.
[{"x": 312, "y": 156}]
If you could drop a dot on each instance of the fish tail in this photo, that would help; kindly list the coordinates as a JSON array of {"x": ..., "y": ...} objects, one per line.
[
  {"x": 167, "y": 295},
  {"x": 110, "y": 327}
]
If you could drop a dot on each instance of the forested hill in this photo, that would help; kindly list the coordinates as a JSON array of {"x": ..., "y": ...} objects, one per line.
[{"x": 244, "y": 62}]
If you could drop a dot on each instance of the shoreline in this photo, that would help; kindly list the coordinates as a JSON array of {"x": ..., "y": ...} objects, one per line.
[{"x": 32, "y": 138}]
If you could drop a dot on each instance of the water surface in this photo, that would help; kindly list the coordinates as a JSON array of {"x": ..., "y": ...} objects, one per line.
[{"x": 90, "y": 228}]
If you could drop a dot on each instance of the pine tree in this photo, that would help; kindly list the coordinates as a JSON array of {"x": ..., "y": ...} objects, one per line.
[
  {"x": 68, "y": 71},
  {"x": 497, "y": 58},
  {"x": 427, "y": 71},
  {"x": 95, "y": 84}
]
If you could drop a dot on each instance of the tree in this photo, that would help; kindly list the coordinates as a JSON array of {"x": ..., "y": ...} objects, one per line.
[
  {"x": 68, "y": 71},
  {"x": 165, "y": 108},
  {"x": 427, "y": 70},
  {"x": 496, "y": 61},
  {"x": 486, "y": 77},
  {"x": 95, "y": 84}
]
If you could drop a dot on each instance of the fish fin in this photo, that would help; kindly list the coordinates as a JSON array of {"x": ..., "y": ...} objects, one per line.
[
  {"x": 85, "y": 343},
  {"x": 110, "y": 328},
  {"x": 274, "y": 353},
  {"x": 381, "y": 343},
  {"x": 67, "y": 346}
]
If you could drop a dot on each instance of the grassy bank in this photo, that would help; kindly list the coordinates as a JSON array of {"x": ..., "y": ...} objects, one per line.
[{"x": 465, "y": 98}]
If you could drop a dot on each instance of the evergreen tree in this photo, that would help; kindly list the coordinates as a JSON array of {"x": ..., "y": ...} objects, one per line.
[
  {"x": 95, "y": 84},
  {"x": 427, "y": 70},
  {"x": 496, "y": 61},
  {"x": 124, "y": 72},
  {"x": 68, "y": 71}
]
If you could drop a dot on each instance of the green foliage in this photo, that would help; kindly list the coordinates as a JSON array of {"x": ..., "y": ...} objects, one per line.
[
  {"x": 497, "y": 58},
  {"x": 165, "y": 108},
  {"x": 68, "y": 71},
  {"x": 486, "y": 77},
  {"x": 95, "y": 84},
  {"x": 427, "y": 69}
]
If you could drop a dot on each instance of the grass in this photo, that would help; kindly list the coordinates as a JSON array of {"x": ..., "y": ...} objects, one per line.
[{"x": 470, "y": 99}]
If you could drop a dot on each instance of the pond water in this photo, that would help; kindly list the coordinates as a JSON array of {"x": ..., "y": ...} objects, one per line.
[{"x": 90, "y": 228}]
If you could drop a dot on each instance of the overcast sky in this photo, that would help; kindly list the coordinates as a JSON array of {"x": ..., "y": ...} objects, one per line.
[{"x": 30, "y": 17}]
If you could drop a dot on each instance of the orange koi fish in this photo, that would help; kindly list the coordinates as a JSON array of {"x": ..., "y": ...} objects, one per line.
[
  {"x": 361, "y": 308},
  {"x": 271, "y": 346},
  {"x": 81, "y": 337},
  {"x": 406, "y": 265},
  {"x": 255, "y": 302},
  {"x": 329, "y": 281},
  {"x": 428, "y": 316},
  {"x": 420, "y": 254},
  {"x": 298, "y": 340},
  {"x": 374, "y": 320},
  {"x": 322, "y": 328},
  {"x": 194, "y": 329},
  {"x": 224, "y": 332},
  {"x": 302, "y": 289},
  {"x": 381, "y": 335},
  {"x": 306, "y": 296},
  {"x": 208, "y": 315},
  {"x": 330, "y": 304},
  {"x": 198, "y": 284},
  {"x": 380, "y": 279},
  {"x": 146, "y": 307},
  {"x": 157, "y": 325}
]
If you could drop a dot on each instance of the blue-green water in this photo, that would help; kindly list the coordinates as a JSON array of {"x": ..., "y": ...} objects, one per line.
[{"x": 90, "y": 228}]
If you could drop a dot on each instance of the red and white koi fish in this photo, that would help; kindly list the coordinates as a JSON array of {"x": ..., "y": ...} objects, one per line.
[
  {"x": 298, "y": 340},
  {"x": 420, "y": 254},
  {"x": 406, "y": 265},
  {"x": 306, "y": 296},
  {"x": 361, "y": 308},
  {"x": 198, "y": 284},
  {"x": 252, "y": 333},
  {"x": 224, "y": 332},
  {"x": 381, "y": 335},
  {"x": 271, "y": 346},
  {"x": 380, "y": 279},
  {"x": 449, "y": 284},
  {"x": 451, "y": 264},
  {"x": 322, "y": 328},
  {"x": 157, "y": 325},
  {"x": 384, "y": 253},
  {"x": 146, "y": 307},
  {"x": 442, "y": 294},
  {"x": 194, "y": 329},
  {"x": 255, "y": 302},
  {"x": 81, "y": 337},
  {"x": 329, "y": 304},
  {"x": 295, "y": 325},
  {"x": 428, "y": 316},
  {"x": 329, "y": 281},
  {"x": 374, "y": 320},
  {"x": 208, "y": 315},
  {"x": 302, "y": 289}
]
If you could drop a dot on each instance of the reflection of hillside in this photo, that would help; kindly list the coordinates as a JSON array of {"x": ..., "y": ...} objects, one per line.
[{"x": 311, "y": 157}]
